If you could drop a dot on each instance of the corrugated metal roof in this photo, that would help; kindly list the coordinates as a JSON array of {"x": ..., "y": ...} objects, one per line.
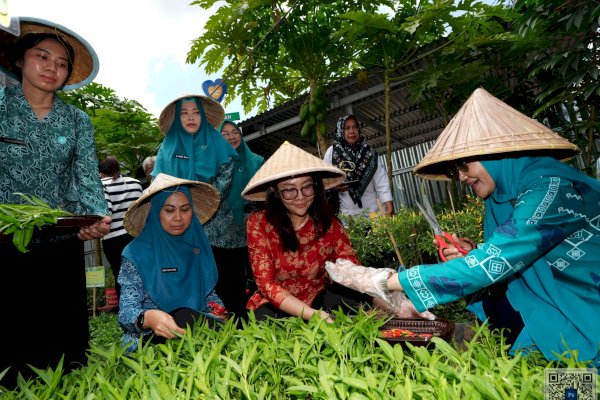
[{"x": 410, "y": 123}]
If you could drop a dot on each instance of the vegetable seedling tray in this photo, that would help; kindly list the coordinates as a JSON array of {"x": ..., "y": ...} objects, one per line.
[
  {"x": 418, "y": 332},
  {"x": 76, "y": 221}
]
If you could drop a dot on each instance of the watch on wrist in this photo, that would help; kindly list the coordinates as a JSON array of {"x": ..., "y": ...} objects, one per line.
[{"x": 139, "y": 322}]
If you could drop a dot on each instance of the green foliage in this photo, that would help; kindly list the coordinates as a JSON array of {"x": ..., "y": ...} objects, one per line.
[
  {"x": 293, "y": 359},
  {"x": 370, "y": 235},
  {"x": 20, "y": 220},
  {"x": 104, "y": 331},
  {"x": 540, "y": 57},
  {"x": 291, "y": 47},
  {"x": 560, "y": 48},
  {"x": 122, "y": 128}
]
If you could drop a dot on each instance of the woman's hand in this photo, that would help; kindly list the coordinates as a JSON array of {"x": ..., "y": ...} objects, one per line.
[
  {"x": 294, "y": 306},
  {"x": 401, "y": 306},
  {"x": 451, "y": 252},
  {"x": 96, "y": 231},
  {"x": 162, "y": 324},
  {"x": 326, "y": 317}
]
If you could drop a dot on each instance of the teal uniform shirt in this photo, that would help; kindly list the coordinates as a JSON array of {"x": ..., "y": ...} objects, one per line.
[
  {"x": 542, "y": 236},
  {"x": 53, "y": 159}
]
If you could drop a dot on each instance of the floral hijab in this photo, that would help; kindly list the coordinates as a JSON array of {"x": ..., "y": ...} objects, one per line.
[
  {"x": 196, "y": 157},
  {"x": 360, "y": 159},
  {"x": 245, "y": 167},
  {"x": 177, "y": 271}
]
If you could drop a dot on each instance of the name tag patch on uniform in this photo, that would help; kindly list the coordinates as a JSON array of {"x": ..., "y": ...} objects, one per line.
[
  {"x": 13, "y": 141},
  {"x": 182, "y": 156},
  {"x": 169, "y": 269}
]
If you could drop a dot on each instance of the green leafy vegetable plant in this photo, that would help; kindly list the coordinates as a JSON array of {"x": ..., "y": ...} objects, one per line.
[
  {"x": 20, "y": 220},
  {"x": 290, "y": 358}
]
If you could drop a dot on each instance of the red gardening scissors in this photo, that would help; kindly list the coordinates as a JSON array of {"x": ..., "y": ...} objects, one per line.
[{"x": 441, "y": 236}]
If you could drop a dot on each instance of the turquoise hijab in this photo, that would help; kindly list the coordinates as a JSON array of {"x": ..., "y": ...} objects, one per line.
[
  {"x": 513, "y": 174},
  {"x": 534, "y": 291},
  {"x": 245, "y": 167},
  {"x": 197, "y": 157},
  {"x": 177, "y": 271}
]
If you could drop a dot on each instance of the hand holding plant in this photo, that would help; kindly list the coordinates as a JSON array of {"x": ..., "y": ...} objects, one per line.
[{"x": 402, "y": 307}]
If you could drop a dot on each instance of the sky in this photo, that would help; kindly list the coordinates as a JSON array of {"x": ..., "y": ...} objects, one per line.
[{"x": 142, "y": 45}]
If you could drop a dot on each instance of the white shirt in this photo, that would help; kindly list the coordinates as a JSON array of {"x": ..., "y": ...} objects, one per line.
[{"x": 379, "y": 187}]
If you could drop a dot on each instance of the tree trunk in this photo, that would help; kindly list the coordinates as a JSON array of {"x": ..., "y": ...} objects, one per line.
[{"x": 388, "y": 130}]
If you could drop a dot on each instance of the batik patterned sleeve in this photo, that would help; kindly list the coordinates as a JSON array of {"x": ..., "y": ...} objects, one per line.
[
  {"x": 131, "y": 304},
  {"x": 87, "y": 182},
  {"x": 342, "y": 246},
  {"x": 545, "y": 214},
  {"x": 224, "y": 178},
  {"x": 263, "y": 248}
]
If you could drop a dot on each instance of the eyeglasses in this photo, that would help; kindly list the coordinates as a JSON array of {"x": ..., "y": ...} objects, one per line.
[
  {"x": 227, "y": 134},
  {"x": 291, "y": 193},
  {"x": 455, "y": 166}
]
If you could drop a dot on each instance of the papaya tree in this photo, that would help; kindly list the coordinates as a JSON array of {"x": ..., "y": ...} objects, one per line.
[
  {"x": 273, "y": 51},
  {"x": 404, "y": 38}
]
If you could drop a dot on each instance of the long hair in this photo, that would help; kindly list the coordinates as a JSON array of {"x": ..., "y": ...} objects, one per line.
[
  {"x": 30, "y": 40},
  {"x": 277, "y": 215}
]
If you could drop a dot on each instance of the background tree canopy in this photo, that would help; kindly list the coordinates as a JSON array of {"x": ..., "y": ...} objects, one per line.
[
  {"x": 541, "y": 56},
  {"x": 122, "y": 128}
]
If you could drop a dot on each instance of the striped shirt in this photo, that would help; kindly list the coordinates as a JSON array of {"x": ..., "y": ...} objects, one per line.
[{"x": 120, "y": 193}]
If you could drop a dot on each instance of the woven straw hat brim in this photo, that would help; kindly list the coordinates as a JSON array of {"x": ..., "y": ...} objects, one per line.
[
  {"x": 486, "y": 127},
  {"x": 214, "y": 112},
  {"x": 85, "y": 65},
  {"x": 286, "y": 162},
  {"x": 205, "y": 200}
]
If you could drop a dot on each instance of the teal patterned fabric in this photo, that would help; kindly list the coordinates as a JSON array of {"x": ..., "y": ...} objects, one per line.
[
  {"x": 542, "y": 235},
  {"x": 53, "y": 159}
]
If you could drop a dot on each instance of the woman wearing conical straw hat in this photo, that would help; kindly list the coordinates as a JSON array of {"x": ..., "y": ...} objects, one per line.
[
  {"x": 47, "y": 150},
  {"x": 292, "y": 238},
  {"x": 168, "y": 274},
  {"x": 536, "y": 274},
  {"x": 194, "y": 149}
]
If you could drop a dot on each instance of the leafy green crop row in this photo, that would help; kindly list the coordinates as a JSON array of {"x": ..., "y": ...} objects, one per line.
[{"x": 293, "y": 359}]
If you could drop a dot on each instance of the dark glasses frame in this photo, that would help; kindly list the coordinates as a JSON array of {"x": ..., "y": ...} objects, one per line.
[
  {"x": 307, "y": 190},
  {"x": 456, "y": 166}
]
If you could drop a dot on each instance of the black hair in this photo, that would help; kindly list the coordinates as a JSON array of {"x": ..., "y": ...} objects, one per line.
[
  {"x": 110, "y": 167},
  {"x": 277, "y": 215},
  {"x": 30, "y": 40}
]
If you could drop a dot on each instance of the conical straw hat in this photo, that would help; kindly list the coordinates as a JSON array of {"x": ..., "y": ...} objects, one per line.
[
  {"x": 212, "y": 110},
  {"x": 85, "y": 60},
  {"x": 485, "y": 126},
  {"x": 205, "y": 200},
  {"x": 286, "y": 162}
]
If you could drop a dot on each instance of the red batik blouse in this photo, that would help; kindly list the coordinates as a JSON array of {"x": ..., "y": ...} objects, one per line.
[{"x": 279, "y": 274}]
